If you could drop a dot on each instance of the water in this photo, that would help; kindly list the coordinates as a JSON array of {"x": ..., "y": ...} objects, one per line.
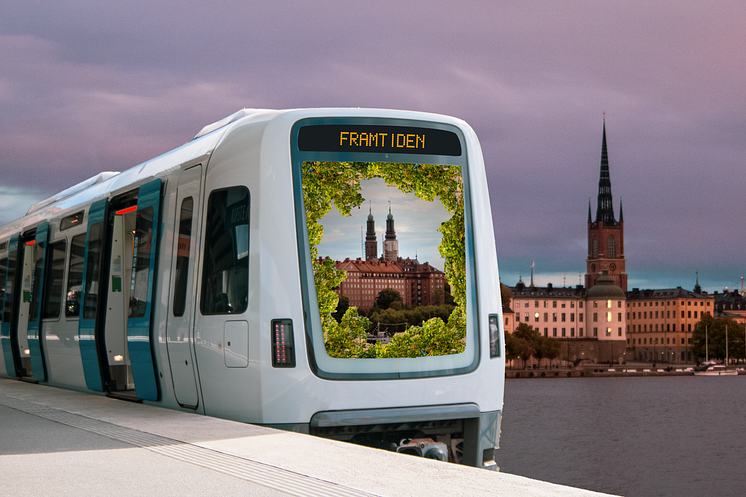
[{"x": 643, "y": 436}]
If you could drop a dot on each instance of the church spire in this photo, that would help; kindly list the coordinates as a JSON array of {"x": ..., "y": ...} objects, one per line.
[
  {"x": 371, "y": 242},
  {"x": 605, "y": 209}
]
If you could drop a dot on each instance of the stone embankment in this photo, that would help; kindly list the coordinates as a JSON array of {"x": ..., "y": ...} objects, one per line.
[{"x": 602, "y": 372}]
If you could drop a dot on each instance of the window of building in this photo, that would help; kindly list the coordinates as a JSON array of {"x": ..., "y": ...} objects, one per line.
[
  {"x": 595, "y": 332},
  {"x": 554, "y": 304},
  {"x": 580, "y": 318},
  {"x": 554, "y": 317},
  {"x": 536, "y": 317},
  {"x": 580, "y": 332},
  {"x": 563, "y": 333},
  {"x": 546, "y": 317},
  {"x": 562, "y": 317},
  {"x": 580, "y": 304},
  {"x": 572, "y": 317},
  {"x": 619, "y": 316},
  {"x": 554, "y": 332},
  {"x": 619, "y": 331},
  {"x": 595, "y": 317}
]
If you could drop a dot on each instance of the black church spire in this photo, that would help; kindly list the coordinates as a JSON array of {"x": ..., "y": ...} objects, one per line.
[{"x": 605, "y": 209}]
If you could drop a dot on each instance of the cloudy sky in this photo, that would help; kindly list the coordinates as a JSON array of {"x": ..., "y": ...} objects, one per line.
[{"x": 95, "y": 85}]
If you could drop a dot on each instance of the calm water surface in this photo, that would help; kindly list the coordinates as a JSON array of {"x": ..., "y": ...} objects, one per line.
[{"x": 644, "y": 436}]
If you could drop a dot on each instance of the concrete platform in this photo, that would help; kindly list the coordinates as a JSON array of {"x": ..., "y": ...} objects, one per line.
[{"x": 58, "y": 442}]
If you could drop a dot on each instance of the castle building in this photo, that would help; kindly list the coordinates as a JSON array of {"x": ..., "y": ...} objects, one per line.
[
  {"x": 419, "y": 284},
  {"x": 605, "y": 234}
]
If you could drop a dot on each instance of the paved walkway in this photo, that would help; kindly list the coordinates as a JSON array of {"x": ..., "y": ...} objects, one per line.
[{"x": 58, "y": 442}]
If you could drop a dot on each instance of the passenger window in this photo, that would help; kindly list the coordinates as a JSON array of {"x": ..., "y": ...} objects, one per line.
[
  {"x": 75, "y": 276},
  {"x": 182, "y": 257},
  {"x": 143, "y": 241},
  {"x": 36, "y": 285},
  {"x": 225, "y": 272},
  {"x": 52, "y": 301}
]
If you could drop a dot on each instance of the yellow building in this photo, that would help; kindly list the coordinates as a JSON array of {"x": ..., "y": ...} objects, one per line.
[{"x": 660, "y": 323}]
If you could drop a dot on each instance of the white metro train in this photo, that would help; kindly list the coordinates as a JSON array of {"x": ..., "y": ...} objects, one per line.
[{"x": 197, "y": 281}]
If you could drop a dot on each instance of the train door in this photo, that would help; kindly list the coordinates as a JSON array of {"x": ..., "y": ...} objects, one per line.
[
  {"x": 12, "y": 349},
  {"x": 180, "y": 329},
  {"x": 118, "y": 281},
  {"x": 20, "y": 332}
]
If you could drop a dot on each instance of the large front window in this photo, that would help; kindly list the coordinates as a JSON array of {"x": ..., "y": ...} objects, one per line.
[{"x": 388, "y": 274}]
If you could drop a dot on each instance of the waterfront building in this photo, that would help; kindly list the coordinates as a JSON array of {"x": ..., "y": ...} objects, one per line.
[
  {"x": 591, "y": 324},
  {"x": 660, "y": 323},
  {"x": 730, "y": 305}
]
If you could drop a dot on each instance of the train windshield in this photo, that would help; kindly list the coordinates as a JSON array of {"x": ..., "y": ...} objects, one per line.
[{"x": 388, "y": 285}]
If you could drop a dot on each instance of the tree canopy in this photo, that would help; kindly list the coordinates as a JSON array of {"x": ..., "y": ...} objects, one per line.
[
  {"x": 714, "y": 341},
  {"x": 526, "y": 342}
]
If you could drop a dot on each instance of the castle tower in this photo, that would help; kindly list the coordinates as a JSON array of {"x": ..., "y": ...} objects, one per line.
[
  {"x": 605, "y": 235},
  {"x": 371, "y": 242},
  {"x": 390, "y": 243}
]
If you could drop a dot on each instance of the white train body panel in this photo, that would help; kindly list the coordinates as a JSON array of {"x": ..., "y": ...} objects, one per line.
[{"x": 220, "y": 364}]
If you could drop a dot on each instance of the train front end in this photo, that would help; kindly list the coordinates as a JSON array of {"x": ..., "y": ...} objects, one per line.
[
  {"x": 400, "y": 284},
  {"x": 372, "y": 267}
]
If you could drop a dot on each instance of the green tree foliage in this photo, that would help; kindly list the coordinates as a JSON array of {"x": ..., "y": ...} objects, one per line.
[
  {"x": 327, "y": 184},
  {"x": 386, "y": 297},
  {"x": 526, "y": 342},
  {"x": 715, "y": 340}
]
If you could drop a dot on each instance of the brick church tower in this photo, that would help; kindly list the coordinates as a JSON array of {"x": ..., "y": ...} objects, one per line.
[{"x": 605, "y": 235}]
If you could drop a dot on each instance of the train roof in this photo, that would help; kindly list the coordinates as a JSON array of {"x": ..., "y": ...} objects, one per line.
[{"x": 201, "y": 145}]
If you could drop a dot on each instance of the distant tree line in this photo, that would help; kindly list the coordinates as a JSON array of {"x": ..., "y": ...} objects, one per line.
[{"x": 526, "y": 342}]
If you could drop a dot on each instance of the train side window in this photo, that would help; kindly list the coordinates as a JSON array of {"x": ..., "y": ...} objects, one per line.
[
  {"x": 75, "y": 276},
  {"x": 141, "y": 273},
  {"x": 52, "y": 300},
  {"x": 36, "y": 277},
  {"x": 225, "y": 271},
  {"x": 182, "y": 256}
]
